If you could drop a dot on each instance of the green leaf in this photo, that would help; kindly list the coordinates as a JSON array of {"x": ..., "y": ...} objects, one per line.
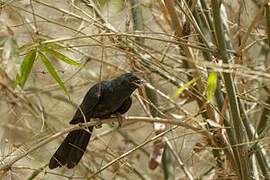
[
  {"x": 61, "y": 57},
  {"x": 26, "y": 68},
  {"x": 52, "y": 71},
  {"x": 53, "y": 45},
  {"x": 186, "y": 85},
  {"x": 211, "y": 86},
  {"x": 27, "y": 46}
]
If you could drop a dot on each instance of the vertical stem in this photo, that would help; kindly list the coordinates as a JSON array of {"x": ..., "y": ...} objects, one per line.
[
  {"x": 240, "y": 150},
  {"x": 267, "y": 10}
]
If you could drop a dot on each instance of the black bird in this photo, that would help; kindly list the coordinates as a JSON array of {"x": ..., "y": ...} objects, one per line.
[{"x": 112, "y": 97}]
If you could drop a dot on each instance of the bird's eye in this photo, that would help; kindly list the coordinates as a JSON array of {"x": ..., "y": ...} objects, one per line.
[{"x": 138, "y": 81}]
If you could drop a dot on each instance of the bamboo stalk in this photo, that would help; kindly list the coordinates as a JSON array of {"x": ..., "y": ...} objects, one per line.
[{"x": 239, "y": 151}]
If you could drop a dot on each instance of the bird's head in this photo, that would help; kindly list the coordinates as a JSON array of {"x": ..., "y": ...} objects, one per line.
[{"x": 131, "y": 80}]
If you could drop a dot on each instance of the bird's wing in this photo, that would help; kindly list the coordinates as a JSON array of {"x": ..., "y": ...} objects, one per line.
[
  {"x": 90, "y": 100},
  {"x": 125, "y": 106}
]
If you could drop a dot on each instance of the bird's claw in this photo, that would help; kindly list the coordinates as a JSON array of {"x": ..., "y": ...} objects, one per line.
[
  {"x": 120, "y": 119},
  {"x": 99, "y": 123},
  {"x": 80, "y": 124}
]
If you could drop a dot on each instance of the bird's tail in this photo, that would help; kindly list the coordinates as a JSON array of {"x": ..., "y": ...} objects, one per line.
[{"x": 72, "y": 149}]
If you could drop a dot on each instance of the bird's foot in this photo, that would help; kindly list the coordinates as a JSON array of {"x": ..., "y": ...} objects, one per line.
[
  {"x": 120, "y": 119},
  {"x": 80, "y": 124},
  {"x": 99, "y": 123}
]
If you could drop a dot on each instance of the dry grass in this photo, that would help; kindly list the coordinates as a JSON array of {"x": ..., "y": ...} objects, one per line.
[{"x": 182, "y": 124}]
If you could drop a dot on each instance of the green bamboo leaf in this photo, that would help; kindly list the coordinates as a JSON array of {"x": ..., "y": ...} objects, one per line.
[
  {"x": 31, "y": 45},
  {"x": 56, "y": 46},
  {"x": 186, "y": 85},
  {"x": 27, "y": 46},
  {"x": 52, "y": 71},
  {"x": 61, "y": 57},
  {"x": 26, "y": 68},
  {"x": 211, "y": 86}
]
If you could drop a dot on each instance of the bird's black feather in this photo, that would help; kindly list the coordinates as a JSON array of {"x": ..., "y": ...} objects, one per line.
[{"x": 101, "y": 101}]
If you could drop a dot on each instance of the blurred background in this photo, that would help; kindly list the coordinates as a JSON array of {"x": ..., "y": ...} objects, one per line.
[{"x": 203, "y": 113}]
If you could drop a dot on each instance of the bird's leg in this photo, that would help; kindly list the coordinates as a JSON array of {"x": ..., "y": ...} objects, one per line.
[
  {"x": 120, "y": 119},
  {"x": 99, "y": 123}
]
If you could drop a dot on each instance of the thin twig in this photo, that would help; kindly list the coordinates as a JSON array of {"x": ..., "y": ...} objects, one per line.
[
  {"x": 179, "y": 160},
  {"x": 7, "y": 166},
  {"x": 131, "y": 151}
]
